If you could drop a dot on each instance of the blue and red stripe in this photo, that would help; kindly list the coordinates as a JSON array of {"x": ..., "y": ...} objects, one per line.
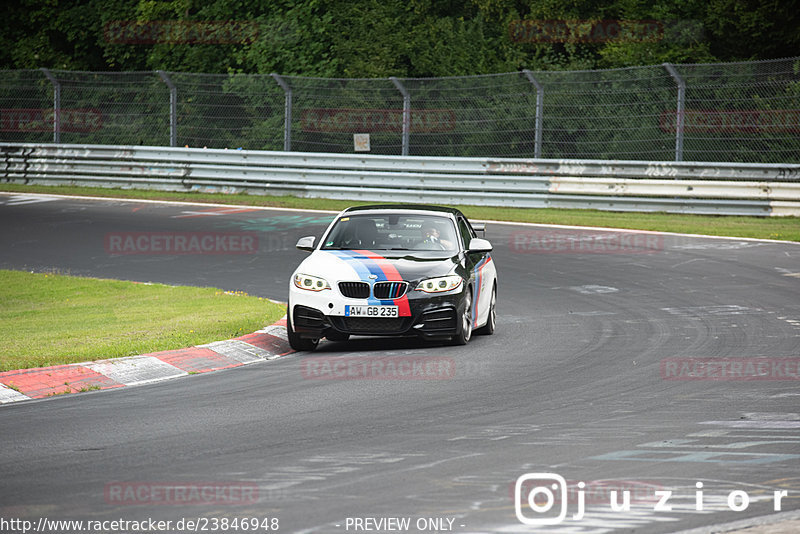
[
  {"x": 478, "y": 270},
  {"x": 368, "y": 263}
]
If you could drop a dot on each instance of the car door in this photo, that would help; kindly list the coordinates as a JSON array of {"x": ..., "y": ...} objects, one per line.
[{"x": 481, "y": 269}]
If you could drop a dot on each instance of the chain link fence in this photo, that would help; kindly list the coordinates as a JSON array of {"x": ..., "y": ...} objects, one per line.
[{"x": 739, "y": 112}]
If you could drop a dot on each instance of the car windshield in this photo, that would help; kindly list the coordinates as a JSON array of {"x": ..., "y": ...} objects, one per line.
[{"x": 392, "y": 232}]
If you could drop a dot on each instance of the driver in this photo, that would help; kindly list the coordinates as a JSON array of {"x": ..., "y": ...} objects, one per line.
[{"x": 431, "y": 235}]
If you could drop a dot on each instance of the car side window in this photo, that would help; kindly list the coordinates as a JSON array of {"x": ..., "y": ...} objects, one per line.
[{"x": 466, "y": 232}]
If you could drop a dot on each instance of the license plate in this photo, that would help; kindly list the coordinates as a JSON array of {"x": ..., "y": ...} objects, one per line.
[{"x": 370, "y": 311}]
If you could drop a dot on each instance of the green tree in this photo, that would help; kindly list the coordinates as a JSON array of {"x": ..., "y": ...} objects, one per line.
[{"x": 380, "y": 38}]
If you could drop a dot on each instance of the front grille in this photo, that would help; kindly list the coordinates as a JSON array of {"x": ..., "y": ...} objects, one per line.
[
  {"x": 381, "y": 290},
  {"x": 389, "y": 290},
  {"x": 354, "y": 290},
  {"x": 369, "y": 325}
]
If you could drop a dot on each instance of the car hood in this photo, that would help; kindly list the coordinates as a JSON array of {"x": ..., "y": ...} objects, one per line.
[{"x": 342, "y": 265}]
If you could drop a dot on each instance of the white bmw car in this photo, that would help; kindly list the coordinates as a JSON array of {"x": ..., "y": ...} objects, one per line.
[{"x": 393, "y": 270}]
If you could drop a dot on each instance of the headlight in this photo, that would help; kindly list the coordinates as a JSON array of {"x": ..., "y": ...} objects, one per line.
[
  {"x": 439, "y": 285},
  {"x": 310, "y": 283}
]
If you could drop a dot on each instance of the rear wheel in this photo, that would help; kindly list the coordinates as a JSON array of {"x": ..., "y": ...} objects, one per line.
[
  {"x": 464, "y": 328},
  {"x": 295, "y": 341},
  {"x": 491, "y": 321}
]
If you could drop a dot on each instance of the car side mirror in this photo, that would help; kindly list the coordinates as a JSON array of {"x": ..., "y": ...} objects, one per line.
[
  {"x": 479, "y": 245},
  {"x": 306, "y": 243}
]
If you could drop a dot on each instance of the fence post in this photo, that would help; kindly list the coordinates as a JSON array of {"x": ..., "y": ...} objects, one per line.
[
  {"x": 406, "y": 114},
  {"x": 173, "y": 108},
  {"x": 680, "y": 112},
  {"x": 287, "y": 112},
  {"x": 56, "y": 105},
  {"x": 537, "y": 135}
]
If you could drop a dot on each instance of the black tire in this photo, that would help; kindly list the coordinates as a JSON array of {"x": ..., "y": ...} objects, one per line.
[
  {"x": 464, "y": 320},
  {"x": 333, "y": 335},
  {"x": 491, "y": 322},
  {"x": 295, "y": 341}
]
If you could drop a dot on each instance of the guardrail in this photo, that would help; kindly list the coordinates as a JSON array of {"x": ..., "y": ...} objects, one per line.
[{"x": 676, "y": 187}]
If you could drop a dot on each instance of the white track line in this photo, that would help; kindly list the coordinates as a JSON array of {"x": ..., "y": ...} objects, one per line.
[{"x": 510, "y": 223}]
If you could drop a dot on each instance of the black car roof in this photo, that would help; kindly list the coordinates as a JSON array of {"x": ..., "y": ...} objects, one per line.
[{"x": 404, "y": 207}]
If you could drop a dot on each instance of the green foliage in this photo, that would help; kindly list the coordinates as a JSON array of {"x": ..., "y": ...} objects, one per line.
[{"x": 381, "y": 38}]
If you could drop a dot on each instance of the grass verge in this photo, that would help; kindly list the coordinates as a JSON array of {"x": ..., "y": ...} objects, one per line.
[
  {"x": 52, "y": 319},
  {"x": 783, "y": 228}
]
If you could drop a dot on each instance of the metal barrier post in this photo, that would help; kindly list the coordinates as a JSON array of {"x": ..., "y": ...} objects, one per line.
[
  {"x": 680, "y": 112},
  {"x": 173, "y": 108},
  {"x": 537, "y": 136},
  {"x": 406, "y": 114},
  {"x": 56, "y": 105},
  {"x": 287, "y": 112}
]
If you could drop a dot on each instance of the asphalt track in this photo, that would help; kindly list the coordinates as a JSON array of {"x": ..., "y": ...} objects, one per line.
[{"x": 575, "y": 382}]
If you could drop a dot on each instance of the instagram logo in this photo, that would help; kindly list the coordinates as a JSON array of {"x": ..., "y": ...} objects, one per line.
[
  {"x": 542, "y": 492},
  {"x": 541, "y": 497}
]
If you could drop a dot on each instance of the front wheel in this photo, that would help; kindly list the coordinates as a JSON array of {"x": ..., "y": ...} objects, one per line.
[
  {"x": 491, "y": 321},
  {"x": 464, "y": 328},
  {"x": 295, "y": 341}
]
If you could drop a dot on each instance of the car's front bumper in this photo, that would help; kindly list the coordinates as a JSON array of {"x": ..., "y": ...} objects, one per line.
[{"x": 432, "y": 316}]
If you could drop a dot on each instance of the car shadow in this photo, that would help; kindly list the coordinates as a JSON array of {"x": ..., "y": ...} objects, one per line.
[{"x": 371, "y": 344}]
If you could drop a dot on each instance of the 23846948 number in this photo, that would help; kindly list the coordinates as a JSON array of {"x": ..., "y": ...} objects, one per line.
[{"x": 226, "y": 524}]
